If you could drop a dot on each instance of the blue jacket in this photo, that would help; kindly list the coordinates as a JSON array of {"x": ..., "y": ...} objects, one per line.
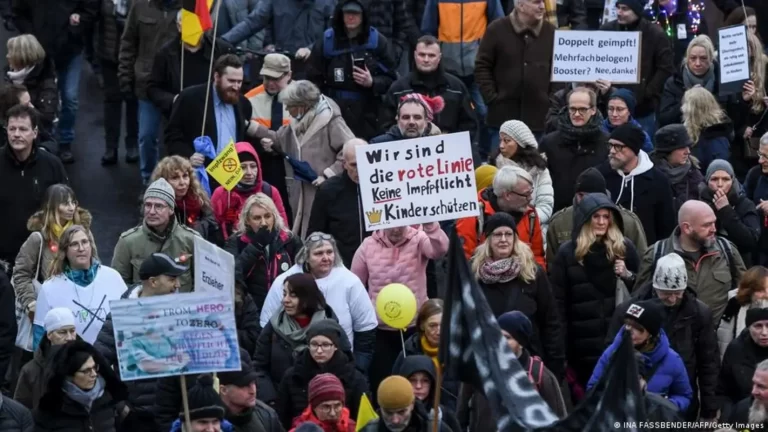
[
  {"x": 670, "y": 378},
  {"x": 607, "y": 127},
  {"x": 714, "y": 143},
  {"x": 225, "y": 426}
]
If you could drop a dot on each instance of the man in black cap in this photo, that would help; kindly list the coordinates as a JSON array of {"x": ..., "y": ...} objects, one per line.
[
  {"x": 159, "y": 275},
  {"x": 244, "y": 410},
  {"x": 561, "y": 223},
  {"x": 635, "y": 184}
]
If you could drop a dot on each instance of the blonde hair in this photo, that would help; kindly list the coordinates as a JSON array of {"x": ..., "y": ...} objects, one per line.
[
  {"x": 57, "y": 265},
  {"x": 613, "y": 239},
  {"x": 702, "y": 41},
  {"x": 25, "y": 50},
  {"x": 56, "y": 195},
  {"x": 520, "y": 250},
  {"x": 167, "y": 168},
  {"x": 259, "y": 200},
  {"x": 757, "y": 72},
  {"x": 700, "y": 110}
]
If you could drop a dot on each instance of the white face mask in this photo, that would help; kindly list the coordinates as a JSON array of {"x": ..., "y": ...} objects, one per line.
[{"x": 298, "y": 117}]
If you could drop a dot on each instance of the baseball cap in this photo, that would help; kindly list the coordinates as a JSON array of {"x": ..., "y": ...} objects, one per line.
[
  {"x": 352, "y": 7},
  {"x": 160, "y": 264},
  {"x": 275, "y": 65},
  {"x": 244, "y": 377}
]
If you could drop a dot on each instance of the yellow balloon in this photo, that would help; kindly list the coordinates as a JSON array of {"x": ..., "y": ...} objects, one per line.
[{"x": 396, "y": 306}]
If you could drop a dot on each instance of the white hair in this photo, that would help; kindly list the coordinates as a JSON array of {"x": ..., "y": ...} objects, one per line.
[
  {"x": 351, "y": 144},
  {"x": 507, "y": 177},
  {"x": 300, "y": 93},
  {"x": 764, "y": 139}
]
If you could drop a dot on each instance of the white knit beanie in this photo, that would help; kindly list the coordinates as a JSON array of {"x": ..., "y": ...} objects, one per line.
[
  {"x": 670, "y": 274},
  {"x": 519, "y": 132}
]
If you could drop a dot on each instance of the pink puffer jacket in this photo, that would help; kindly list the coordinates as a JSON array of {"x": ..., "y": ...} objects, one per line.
[{"x": 379, "y": 263}]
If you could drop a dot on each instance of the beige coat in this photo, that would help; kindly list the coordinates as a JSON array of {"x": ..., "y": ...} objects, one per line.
[{"x": 317, "y": 139}]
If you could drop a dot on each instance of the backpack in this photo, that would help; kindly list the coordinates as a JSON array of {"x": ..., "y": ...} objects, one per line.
[
  {"x": 658, "y": 252},
  {"x": 329, "y": 46},
  {"x": 536, "y": 371}
]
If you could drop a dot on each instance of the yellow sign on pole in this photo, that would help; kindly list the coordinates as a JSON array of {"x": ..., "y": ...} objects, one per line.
[
  {"x": 225, "y": 169},
  {"x": 365, "y": 413}
]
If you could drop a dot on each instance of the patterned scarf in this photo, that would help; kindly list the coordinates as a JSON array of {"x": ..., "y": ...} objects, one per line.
[
  {"x": 430, "y": 352},
  {"x": 500, "y": 271},
  {"x": 551, "y": 12}
]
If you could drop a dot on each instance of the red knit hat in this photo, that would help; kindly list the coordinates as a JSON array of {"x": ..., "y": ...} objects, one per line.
[
  {"x": 432, "y": 105},
  {"x": 325, "y": 387}
]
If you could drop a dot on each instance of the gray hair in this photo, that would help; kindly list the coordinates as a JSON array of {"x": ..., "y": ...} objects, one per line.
[
  {"x": 300, "y": 93},
  {"x": 263, "y": 201},
  {"x": 351, "y": 144},
  {"x": 507, "y": 177},
  {"x": 762, "y": 366},
  {"x": 764, "y": 139},
  {"x": 314, "y": 241}
]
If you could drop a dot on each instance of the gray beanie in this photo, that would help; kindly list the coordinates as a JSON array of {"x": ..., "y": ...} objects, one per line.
[
  {"x": 519, "y": 132},
  {"x": 161, "y": 190},
  {"x": 719, "y": 165},
  {"x": 670, "y": 274}
]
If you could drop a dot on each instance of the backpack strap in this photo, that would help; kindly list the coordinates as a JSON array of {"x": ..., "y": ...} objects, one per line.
[
  {"x": 658, "y": 251},
  {"x": 535, "y": 371},
  {"x": 726, "y": 247},
  {"x": 266, "y": 189},
  {"x": 328, "y": 45}
]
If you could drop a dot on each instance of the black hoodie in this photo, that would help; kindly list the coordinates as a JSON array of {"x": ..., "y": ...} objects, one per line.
[{"x": 421, "y": 363}]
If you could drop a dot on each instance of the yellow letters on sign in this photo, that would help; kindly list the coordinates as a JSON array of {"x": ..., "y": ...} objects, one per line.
[{"x": 225, "y": 169}]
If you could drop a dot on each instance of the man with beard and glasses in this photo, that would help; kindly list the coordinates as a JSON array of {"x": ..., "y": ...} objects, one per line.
[
  {"x": 229, "y": 112},
  {"x": 713, "y": 264},
  {"x": 754, "y": 409}
]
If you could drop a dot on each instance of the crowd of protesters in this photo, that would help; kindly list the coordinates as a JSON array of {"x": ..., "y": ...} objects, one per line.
[{"x": 605, "y": 209}]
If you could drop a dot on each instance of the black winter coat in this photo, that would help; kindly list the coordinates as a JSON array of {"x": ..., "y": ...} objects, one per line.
[
  {"x": 337, "y": 211},
  {"x": 247, "y": 321},
  {"x": 586, "y": 293},
  {"x": 292, "y": 395},
  {"x": 204, "y": 223},
  {"x": 8, "y": 326},
  {"x": 261, "y": 418},
  {"x": 691, "y": 334},
  {"x": 739, "y": 363},
  {"x": 330, "y": 67},
  {"x": 558, "y": 103},
  {"x": 685, "y": 189},
  {"x": 419, "y": 422},
  {"x": 536, "y": 301},
  {"x": 457, "y": 115},
  {"x": 737, "y": 222},
  {"x": 648, "y": 195},
  {"x": 110, "y": 28},
  {"x": 15, "y": 417},
  {"x": 450, "y": 394},
  {"x": 43, "y": 92},
  {"x": 570, "y": 151}
]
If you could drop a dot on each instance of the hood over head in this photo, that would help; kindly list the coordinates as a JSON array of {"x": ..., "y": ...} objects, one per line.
[
  {"x": 419, "y": 363},
  {"x": 583, "y": 211},
  {"x": 338, "y": 21},
  {"x": 247, "y": 149}
]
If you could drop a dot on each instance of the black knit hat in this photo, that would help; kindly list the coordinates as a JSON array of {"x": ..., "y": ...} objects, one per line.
[
  {"x": 670, "y": 138},
  {"x": 649, "y": 314},
  {"x": 637, "y": 6},
  {"x": 328, "y": 328},
  {"x": 497, "y": 220},
  {"x": 204, "y": 401},
  {"x": 756, "y": 314},
  {"x": 518, "y": 326},
  {"x": 590, "y": 181},
  {"x": 630, "y": 135}
]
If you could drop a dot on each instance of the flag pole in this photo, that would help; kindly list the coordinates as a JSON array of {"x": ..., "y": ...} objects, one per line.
[
  {"x": 210, "y": 66},
  {"x": 181, "y": 83},
  {"x": 436, "y": 407}
]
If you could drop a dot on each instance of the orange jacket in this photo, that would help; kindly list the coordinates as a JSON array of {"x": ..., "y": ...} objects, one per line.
[{"x": 528, "y": 229}]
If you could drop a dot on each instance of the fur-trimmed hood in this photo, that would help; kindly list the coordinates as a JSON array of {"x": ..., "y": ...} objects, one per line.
[{"x": 35, "y": 222}]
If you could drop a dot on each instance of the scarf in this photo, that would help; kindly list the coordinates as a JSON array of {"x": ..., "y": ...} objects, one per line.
[
  {"x": 84, "y": 397},
  {"x": 430, "y": 352},
  {"x": 674, "y": 174},
  {"x": 291, "y": 331},
  {"x": 302, "y": 126},
  {"x": 707, "y": 81},
  {"x": 82, "y": 278},
  {"x": 188, "y": 209},
  {"x": 57, "y": 229},
  {"x": 246, "y": 189},
  {"x": 343, "y": 424},
  {"x": 500, "y": 271},
  {"x": 586, "y": 134},
  {"x": 18, "y": 77}
]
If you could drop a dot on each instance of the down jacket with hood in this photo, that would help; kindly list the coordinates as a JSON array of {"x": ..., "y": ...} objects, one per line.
[
  {"x": 714, "y": 143},
  {"x": 646, "y": 192},
  {"x": 586, "y": 292},
  {"x": 738, "y": 221},
  {"x": 14, "y": 417},
  {"x": 669, "y": 379},
  {"x": 379, "y": 263},
  {"x": 227, "y": 205},
  {"x": 422, "y": 363},
  {"x": 27, "y": 263}
]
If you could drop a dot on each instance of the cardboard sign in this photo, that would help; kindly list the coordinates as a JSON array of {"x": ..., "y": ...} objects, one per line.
[
  {"x": 588, "y": 56},
  {"x": 415, "y": 181},
  {"x": 225, "y": 169},
  {"x": 734, "y": 59},
  {"x": 175, "y": 334}
]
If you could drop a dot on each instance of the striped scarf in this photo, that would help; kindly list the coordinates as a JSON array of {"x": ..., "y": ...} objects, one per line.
[{"x": 551, "y": 14}]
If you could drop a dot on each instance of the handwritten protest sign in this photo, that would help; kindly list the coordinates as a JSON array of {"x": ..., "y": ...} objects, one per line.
[
  {"x": 175, "y": 334},
  {"x": 214, "y": 268},
  {"x": 734, "y": 59},
  {"x": 415, "y": 181},
  {"x": 587, "y": 56},
  {"x": 226, "y": 167}
]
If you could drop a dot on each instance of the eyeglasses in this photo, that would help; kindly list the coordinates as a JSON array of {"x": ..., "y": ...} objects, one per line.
[
  {"x": 579, "y": 110},
  {"x": 325, "y": 346},
  {"x": 326, "y": 408},
  {"x": 82, "y": 244},
  {"x": 524, "y": 195},
  {"x": 617, "y": 110},
  {"x": 618, "y": 148},
  {"x": 319, "y": 236},
  {"x": 90, "y": 371},
  {"x": 501, "y": 235},
  {"x": 148, "y": 207}
]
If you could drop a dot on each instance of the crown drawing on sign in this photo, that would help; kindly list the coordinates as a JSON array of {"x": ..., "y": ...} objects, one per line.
[{"x": 374, "y": 216}]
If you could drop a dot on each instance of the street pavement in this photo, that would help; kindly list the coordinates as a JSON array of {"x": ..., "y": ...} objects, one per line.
[{"x": 109, "y": 193}]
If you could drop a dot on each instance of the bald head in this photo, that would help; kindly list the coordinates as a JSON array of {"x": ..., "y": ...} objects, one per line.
[
  {"x": 349, "y": 153},
  {"x": 696, "y": 220},
  {"x": 692, "y": 210}
]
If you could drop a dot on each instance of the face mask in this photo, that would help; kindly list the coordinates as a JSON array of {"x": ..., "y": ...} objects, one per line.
[{"x": 298, "y": 117}]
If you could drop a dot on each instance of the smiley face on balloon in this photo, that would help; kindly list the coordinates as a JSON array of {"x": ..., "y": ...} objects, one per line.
[{"x": 396, "y": 306}]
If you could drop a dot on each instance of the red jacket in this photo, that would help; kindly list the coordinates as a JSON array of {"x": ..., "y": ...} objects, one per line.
[
  {"x": 345, "y": 424},
  {"x": 227, "y": 205}
]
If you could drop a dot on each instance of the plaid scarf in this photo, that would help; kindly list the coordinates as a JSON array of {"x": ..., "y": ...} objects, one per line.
[{"x": 551, "y": 14}]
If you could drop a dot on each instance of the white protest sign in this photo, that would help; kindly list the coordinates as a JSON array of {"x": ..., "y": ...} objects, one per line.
[
  {"x": 588, "y": 56},
  {"x": 734, "y": 55},
  {"x": 214, "y": 268},
  {"x": 416, "y": 181}
]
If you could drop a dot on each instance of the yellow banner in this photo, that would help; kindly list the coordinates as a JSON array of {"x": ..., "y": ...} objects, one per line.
[
  {"x": 365, "y": 413},
  {"x": 225, "y": 169}
]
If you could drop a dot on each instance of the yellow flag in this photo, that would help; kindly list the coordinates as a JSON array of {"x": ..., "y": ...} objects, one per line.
[
  {"x": 365, "y": 413},
  {"x": 225, "y": 169}
]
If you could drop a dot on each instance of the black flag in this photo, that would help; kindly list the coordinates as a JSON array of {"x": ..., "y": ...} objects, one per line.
[{"x": 473, "y": 349}]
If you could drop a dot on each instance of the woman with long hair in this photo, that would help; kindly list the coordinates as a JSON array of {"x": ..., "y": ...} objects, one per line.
[
  {"x": 518, "y": 147},
  {"x": 78, "y": 281},
  {"x": 193, "y": 207},
  {"x": 753, "y": 287},
  {"x": 751, "y": 122},
  {"x": 708, "y": 126},
  {"x": 262, "y": 245},
  {"x": 585, "y": 276},
  {"x": 60, "y": 210}
]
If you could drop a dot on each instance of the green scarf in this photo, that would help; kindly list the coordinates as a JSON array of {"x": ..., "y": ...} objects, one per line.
[{"x": 287, "y": 327}]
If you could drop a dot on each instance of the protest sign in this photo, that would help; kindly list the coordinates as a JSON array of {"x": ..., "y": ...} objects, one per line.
[
  {"x": 175, "y": 334},
  {"x": 588, "y": 56},
  {"x": 214, "y": 268},
  {"x": 415, "y": 181},
  {"x": 734, "y": 59},
  {"x": 225, "y": 169}
]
